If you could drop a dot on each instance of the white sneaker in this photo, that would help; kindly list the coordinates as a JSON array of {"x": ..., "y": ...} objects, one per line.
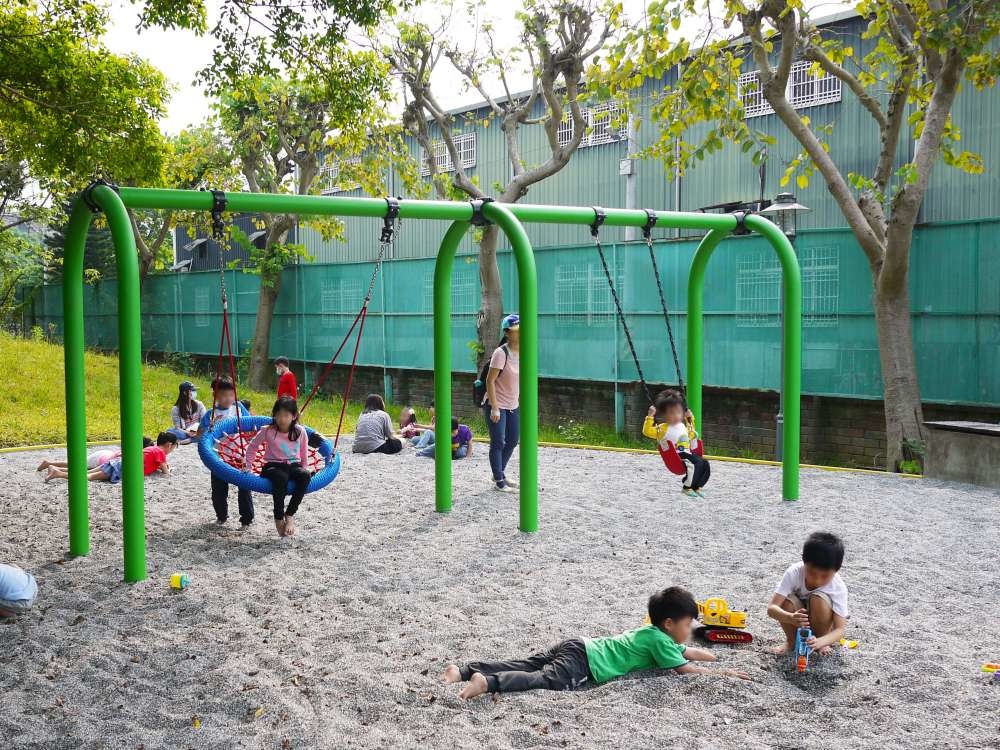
[
  {"x": 512, "y": 485},
  {"x": 504, "y": 488}
]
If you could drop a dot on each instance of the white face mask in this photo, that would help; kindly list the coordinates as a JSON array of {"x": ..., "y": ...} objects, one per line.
[{"x": 194, "y": 394}]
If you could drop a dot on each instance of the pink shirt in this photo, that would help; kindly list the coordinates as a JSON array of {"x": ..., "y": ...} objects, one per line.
[
  {"x": 278, "y": 448},
  {"x": 507, "y": 386}
]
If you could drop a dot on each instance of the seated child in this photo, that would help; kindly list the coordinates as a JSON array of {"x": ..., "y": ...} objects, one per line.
[
  {"x": 665, "y": 423},
  {"x": 408, "y": 423},
  {"x": 425, "y": 432},
  {"x": 154, "y": 458},
  {"x": 18, "y": 591},
  {"x": 461, "y": 442},
  {"x": 286, "y": 459},
  {"x": 571, "y": 663},
  {"x": 813, "y": 595}
]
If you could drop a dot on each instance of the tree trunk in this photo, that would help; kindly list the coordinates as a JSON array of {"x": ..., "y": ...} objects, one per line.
[
  {"x": 491, "y": 311},
  {"x": 903, "y": 412},
  {"x": 259, "y": 373}
]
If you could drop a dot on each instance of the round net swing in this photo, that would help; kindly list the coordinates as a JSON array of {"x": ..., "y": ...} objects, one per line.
[{"x": 223, "y": 448}]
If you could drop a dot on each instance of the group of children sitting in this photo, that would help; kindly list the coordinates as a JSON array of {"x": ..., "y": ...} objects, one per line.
[{"x": 810, "y": 594}]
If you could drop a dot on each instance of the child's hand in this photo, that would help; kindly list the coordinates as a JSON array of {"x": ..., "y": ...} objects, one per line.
[
  {"x": 651, "y": 412},
  {"x": 800, "y": 619},
  {"x": 739, "y": 675}
]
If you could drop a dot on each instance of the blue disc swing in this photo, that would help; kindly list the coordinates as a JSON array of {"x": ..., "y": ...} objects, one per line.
[{"x": 222, "y": 448}]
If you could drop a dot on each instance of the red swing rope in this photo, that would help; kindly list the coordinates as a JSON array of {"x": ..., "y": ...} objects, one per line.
[{"x": 385, "y": 242}]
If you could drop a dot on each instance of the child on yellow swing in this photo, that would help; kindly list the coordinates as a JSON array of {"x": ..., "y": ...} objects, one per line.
[{"x": 668, "y": 422}]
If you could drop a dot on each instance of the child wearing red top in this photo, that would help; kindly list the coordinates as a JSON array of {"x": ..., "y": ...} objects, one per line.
[
  {"x": 154, "y": 458},
  {"x": 286, "y": 379},
  {"x": 286, "y": 459}
]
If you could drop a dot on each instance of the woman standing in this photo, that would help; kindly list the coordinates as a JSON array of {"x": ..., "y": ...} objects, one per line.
[
  {"x": 501, "y": 406},
  {"x": 374, "y": 432},
  {"x": 187, "y": 413}
]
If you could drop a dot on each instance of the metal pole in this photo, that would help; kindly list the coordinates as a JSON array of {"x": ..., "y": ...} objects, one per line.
[
  {"x": 442, "y": 362},
  {"x": 791, "y": 338},
  {"x": 695, "y": 324},
  {"x": 527, "y": 282},
  {"x": 76, "y": 405}
]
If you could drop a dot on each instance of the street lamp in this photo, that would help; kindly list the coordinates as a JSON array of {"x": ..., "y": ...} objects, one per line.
[{"x": 785, "y": 210}]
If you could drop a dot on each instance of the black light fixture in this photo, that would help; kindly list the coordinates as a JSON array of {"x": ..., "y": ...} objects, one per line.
[{"x": 786, "y": 210}]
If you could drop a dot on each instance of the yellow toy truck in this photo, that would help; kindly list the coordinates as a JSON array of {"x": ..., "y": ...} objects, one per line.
[{"x": 715, "y": 613}]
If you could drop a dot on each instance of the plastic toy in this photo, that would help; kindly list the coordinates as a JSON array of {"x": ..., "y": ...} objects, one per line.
[
  {"x": 715, "y": 612},
  {"x": 179, "y": 581},
  {"x": 848, "y": 644},
  {"x": 802, "y": 648}
]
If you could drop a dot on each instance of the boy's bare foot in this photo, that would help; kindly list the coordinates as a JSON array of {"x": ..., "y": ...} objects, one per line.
[
  {"x": 42, "y": 466},
  {"x": 280, "y": 526},
  {"x": 476, "y": 687},
  {"x": 782, "y": 650},
  {"x": 451, "y": 674},
  {"x": 53, "y": 474},
  {"x": 289, "y": 526},
  {"x": 824, "y": 650}
]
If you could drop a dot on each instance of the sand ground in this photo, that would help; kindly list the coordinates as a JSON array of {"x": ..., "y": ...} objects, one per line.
[{"x": 336, "y": 639}]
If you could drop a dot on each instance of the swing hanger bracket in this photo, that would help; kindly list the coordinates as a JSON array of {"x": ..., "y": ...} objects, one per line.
[
  {"x": 478, "y": 220},
  {"x": 647, "y": 229},
  {"x": 391, "y": 214},
  {"x": 88, "y": 197},
  {"x": 599, "y": 216},
  {"x": 741, "y": 225},
  {"x": 218, "y": 208}
]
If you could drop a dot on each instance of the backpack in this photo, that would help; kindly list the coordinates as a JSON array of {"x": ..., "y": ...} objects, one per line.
[{"x": 479, "y": 387}]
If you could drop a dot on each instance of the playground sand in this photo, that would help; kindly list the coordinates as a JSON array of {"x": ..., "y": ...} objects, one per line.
[{"x": 336, "y": 639}]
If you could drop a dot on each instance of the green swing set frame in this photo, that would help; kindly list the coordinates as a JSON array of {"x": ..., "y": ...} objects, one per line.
[{"x": 510, "y": 218}]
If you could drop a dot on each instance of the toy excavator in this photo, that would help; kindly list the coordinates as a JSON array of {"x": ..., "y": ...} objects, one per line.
[{"x": 721, "y": 624}]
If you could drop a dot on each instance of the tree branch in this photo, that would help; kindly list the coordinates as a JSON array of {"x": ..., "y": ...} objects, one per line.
[{"x": 813, "y": 53}]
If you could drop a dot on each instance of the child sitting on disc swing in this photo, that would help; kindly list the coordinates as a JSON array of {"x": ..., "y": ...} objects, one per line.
[{"x": 286, "y": 459}]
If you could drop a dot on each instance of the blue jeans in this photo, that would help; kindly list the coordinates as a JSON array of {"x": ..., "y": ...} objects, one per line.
[
  {"x": 424, "y": 439},
  {"x": 428, "y": 452},
  {"x": 504, "y": 436},
  {"x": 181, "y": 435}
]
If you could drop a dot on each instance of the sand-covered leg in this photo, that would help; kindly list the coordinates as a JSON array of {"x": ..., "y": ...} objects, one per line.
[{"x": 820, "y": 619}]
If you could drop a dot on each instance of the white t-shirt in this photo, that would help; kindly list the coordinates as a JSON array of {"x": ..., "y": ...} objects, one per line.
[
  {"x": 678, "y": 435},
  {"x": 794, "y": 582}
]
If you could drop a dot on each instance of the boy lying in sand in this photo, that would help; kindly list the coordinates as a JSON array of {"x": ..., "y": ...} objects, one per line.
[
  {"x": 571, "y": 663},
  {"x": 154, "y": 458},
  {"x": 813, "y": 595}
]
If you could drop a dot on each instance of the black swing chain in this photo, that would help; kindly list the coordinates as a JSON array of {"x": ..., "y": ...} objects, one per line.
[
  {"x": 599, "y": 217},
  {"x": 647, "y": 233},
  {"x": 219, "y": 236}
]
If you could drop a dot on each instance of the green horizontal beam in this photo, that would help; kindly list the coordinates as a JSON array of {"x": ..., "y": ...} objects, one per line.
[{"x": 331, "y": 205}]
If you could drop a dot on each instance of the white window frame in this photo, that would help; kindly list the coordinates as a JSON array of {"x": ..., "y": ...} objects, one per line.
[
  {"x": 582, "y": 294},
  {"x": 329, "y": 172},
  {"x": 804, "y": 90},
  {"x": 600, "y": 120},
  {"x": 465, "y": 145}
]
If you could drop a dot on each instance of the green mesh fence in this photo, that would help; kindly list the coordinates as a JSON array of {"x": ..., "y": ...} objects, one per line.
[{"x": 955, "y": 290}]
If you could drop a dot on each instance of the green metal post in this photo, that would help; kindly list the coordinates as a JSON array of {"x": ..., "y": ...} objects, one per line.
[
  {"x": 442, "y": 362},
  {"x": 527, "y": 281},
  {"x": 791, "y": 279},
  {"x": 76, "y": 405},
  {"x": 129, "y": 382},
  {"x": 792, "y": 334},
  {"x": 695, "y": 323}
]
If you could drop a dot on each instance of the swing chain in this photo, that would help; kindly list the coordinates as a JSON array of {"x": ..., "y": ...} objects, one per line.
[
  {"x": 599, "y": 217},
  {"x": 390, "y": 226},
  {"x": 218, "y": 234},
  {"x": 647, "y": 232}
]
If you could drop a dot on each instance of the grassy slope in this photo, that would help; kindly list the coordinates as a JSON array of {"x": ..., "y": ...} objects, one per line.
[{"x": 32, "y": 408}]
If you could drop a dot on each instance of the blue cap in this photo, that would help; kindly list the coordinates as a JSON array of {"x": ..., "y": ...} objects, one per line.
[{"x": 511, "y": 322}]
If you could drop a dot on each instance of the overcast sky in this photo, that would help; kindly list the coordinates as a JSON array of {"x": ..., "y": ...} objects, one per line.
[{"x": 181, "y": 54}]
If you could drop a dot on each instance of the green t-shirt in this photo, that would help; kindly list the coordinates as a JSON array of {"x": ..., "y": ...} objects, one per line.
[{"x": 645, "y": 648}]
